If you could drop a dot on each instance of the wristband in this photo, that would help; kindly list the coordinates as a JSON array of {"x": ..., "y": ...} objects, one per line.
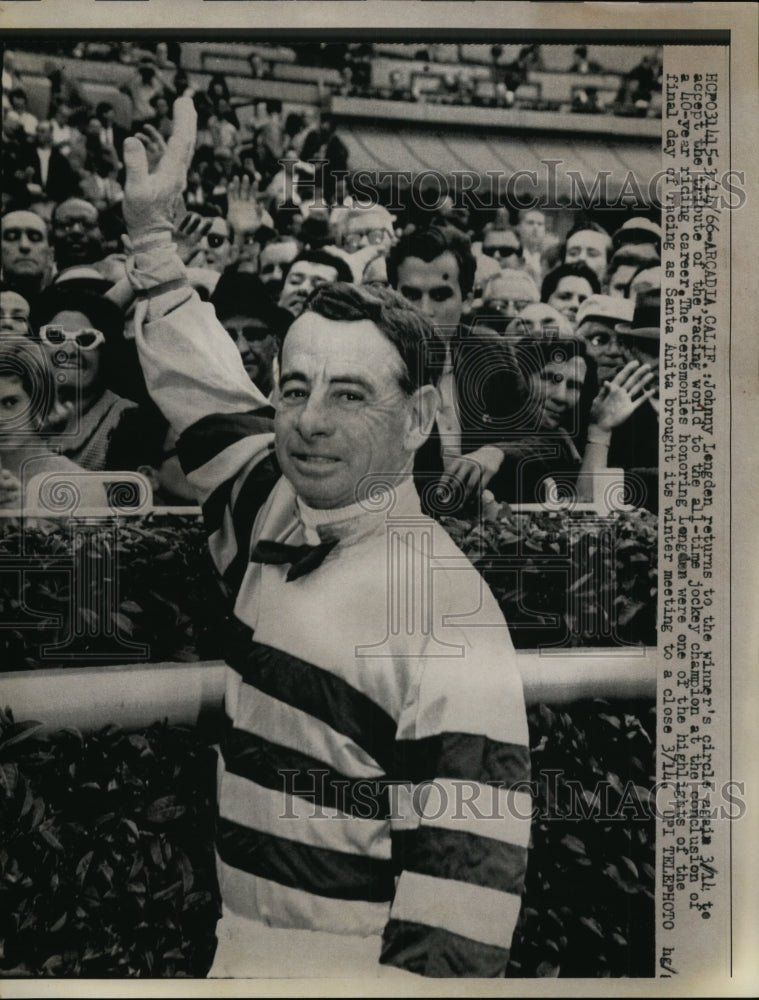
[{"x": 592, "y": 440}]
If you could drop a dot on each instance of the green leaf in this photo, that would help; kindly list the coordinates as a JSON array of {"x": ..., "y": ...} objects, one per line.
[
  {"x": 51, "y": 839},
  {"x": 593, "y": 926},
  {"x": 84, "y": 866},
  {"x": 122, "y": 623},
  {"x": 169, "y": 891},
  {"x": 17, "y": 732},
  {"x": 8, "y": 779},
  {"x": 573, "y": 844},
  {"x": 630, "y": 866},
  {"x": 546, "y": 970}
]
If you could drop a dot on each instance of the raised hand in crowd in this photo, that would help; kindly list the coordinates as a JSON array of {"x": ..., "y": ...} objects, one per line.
[
  {"x": 188, "y": 236},
  {"x": 244, "y": 216},
  {"x": 618, "y": 398},
  {"x": 621, "y": 396}
]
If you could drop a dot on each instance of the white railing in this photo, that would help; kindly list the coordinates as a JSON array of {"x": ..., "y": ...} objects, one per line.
[{"x": 135, "y": 696}]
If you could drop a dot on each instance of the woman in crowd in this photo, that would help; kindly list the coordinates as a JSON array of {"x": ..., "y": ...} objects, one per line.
[
  {"x": 82, "y": 335},
  {"x": 27, "y": 392},
  {"x": 559, "y": 433}
]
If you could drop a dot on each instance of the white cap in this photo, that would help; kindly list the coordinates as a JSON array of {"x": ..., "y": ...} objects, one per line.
[
  {"x": 602, "y": 307},
  {"x": 638, "y": 229}
]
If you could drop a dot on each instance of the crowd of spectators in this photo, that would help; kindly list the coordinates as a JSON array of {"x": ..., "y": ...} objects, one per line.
[
  {"x": 550, "y": 369},
  {"x": 434, "y": 78}
]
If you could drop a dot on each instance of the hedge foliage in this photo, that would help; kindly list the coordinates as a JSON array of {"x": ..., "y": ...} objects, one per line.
[
  {"x": 145, "y": 591},
  {"x": 568, "y": 579},
  {"x": 106, "y": 862}
]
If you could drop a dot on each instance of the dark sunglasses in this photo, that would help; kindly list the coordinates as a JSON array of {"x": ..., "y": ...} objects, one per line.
[
  {"x": 215, "y": 240},
  {"x": 502, "y": 251},
  {"x": 248, "y": 332}
]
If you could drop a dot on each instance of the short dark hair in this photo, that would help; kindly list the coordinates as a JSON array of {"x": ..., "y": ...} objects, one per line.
[
  {"x": 103, "y": 314},
  {"x": 575, "y": 269},
  {"x": 325, "y": 258},
  {"x": 22, "y": 359},
  {"x": 594, "y": 227},
  {"x": 429, "y": 243},
  {"x": 407, "y": 329}
]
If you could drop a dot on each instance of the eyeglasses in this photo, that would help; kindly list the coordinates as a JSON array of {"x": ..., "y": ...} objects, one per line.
[
  {"x": 68, "y": 225},
  {"x": 503, "y": 305},
  {"x": 85, "y": 340},
  {"x": 373, "y": 236},
  {"x": 507, "y": 251}
]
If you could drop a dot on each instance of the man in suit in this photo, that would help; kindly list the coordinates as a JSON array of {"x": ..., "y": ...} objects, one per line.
[
  {"x": 112, "y": 134},
  {"x": 434, "y": 269},
  {"x": 46, "y": 169}
]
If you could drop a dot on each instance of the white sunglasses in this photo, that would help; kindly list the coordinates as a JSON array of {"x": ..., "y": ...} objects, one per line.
[{"x": 85, "y": 340}]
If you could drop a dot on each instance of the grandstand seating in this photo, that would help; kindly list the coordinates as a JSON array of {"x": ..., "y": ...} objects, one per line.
[
  {"x": 37, "y": 94},
  {"x": 193, "y": 52},
  {"x": 551, "y": 88}
]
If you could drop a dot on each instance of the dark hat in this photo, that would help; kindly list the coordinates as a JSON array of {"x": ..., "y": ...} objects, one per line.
[
  {"x": 315, "y": 232},
  {"x": 646, "y": 317},
  {"x": 238, "y": 293}
]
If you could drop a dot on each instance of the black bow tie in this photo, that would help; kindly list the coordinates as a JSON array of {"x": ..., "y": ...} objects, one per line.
[{"x": 303, "y": 558}]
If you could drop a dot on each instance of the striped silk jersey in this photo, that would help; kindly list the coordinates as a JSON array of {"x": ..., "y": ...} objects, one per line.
[{"x": 373, "y": 776}]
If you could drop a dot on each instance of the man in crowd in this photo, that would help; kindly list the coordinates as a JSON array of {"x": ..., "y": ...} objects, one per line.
[
  {"x": 367, "y": 226},
  {"x": 327, "y": 707},
  {"x": 641, "y": 233},
  {"x": 25, "y": 253},
  {"x": 502, "y": 245},
  {"x": 505, "y": 296},
  {"x": 142, "y": 87},
  {"x": 216, "y": 246},
  {"x": 434, "y": 269},
  {"x": 49, "y": 174},
  {"x": 535, "y": 240},
  {"x": 111, "y": 134},
  {"x": 19, "y": 113},
  {"x": 77, "y": 237},
  {"x": 310, "y": 270},
  {"x": 590, "y": 244},
  {"x": 622, "y": 266},
  {"x": 253, "y": 321},
  {"x": 277, "y": 253}
]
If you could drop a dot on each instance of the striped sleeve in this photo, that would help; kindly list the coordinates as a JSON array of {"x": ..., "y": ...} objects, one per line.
[
  {"x": 191, "y": 366},
  {"x": 460, "y": 816},
  {"x": 195, "y": 375}
]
